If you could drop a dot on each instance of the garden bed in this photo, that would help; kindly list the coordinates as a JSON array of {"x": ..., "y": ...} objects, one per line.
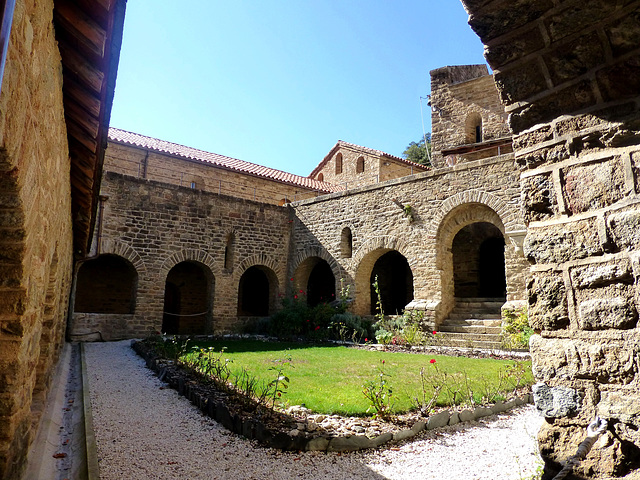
[{"x": 298, "y": 428}]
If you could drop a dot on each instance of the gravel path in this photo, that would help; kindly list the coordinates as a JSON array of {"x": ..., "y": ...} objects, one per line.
[{"x": 144, "y": 431}]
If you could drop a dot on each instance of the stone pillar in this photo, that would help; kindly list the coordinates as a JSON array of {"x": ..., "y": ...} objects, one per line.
[{"x": 568, "y": 73}]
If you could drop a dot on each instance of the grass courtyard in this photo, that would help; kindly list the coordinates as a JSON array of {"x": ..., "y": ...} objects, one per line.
[{"x": 330, "y": 379}]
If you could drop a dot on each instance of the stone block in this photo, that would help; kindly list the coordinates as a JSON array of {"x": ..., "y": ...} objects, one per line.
[
  {"x": 349, "y": 444},
  {"x": 604, "y": 313},
  {"x": 403, "y": 435},
  {"x": 418, "y": 427},
  {"x": 547, "y": 302},
  {"x": 590, "y": 187},
  {"x": 538, "y": 198},
  {"x": 503, "y": 20},
  {"x": 523, "y": 82},
  {"x": 317, "y": 444},
  {"x": 481, "y": 412},
  {"x": 577, "y": 17},
  {"x": 624, "y": 34},
  {"x": 624, "y": 228},
  {"x": 601, "y": 274},
  {"x": 466, "y": 416},
  {"x": 556, "y": 402},
  {"x": 381, "y": 439},
  {"x": 622, "y": 404},
  {"x": 438, "y": 420},
  {"x": 454, "y": 419},
  {"x": 575, "y": 58},
  {"x": 545, "y": 155},
  {"x": 512, "y": 49},
  {"x": 620, "y": 80},
  {"x": 498, "y": 407},
  {"x": 608, "y": 360},
  {"x": 562, "y": 243}
]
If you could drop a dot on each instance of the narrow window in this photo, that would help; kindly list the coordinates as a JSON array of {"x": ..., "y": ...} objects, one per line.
[
  {"x": 473, "y": 128},
  {"x": 193, "y": 184},
  {"x": 346, "y": 243},
  {"x": 321, "y": 177},
  {"x": 338, "y": 164},
  {"x": 228, "y": 251},
  {"x": 360, "y": 165}
]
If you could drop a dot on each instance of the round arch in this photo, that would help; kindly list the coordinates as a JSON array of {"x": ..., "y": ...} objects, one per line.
[
  {"x": 257, "y": 291},
  {"x": 315, "y": 277}
]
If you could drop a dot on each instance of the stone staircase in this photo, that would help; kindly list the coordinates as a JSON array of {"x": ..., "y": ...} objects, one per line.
[{"x": 473, "y": 323}]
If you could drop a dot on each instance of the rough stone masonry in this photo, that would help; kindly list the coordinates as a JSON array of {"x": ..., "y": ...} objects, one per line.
[{"x": 568, "y": 73}]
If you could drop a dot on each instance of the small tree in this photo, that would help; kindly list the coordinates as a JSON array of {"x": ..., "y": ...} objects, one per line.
[{"x": 417, "y": 152}]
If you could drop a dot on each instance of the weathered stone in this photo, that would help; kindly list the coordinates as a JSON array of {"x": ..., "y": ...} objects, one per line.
[
  {"x": 438, "y": 420},
  {"x": 281, "y": 441},
  {"x": 624, "y": 228},
  {"x": 418, "y": 427},
  {"x": 403, "y": 435},
  {"x": 454, "y": 419},
  {"x": 623, "y": 405},
  {"x": 603, "y": 313},
  {"x": 466, "y": 416},
  {"x": 538, "y": 197},
  {"x": 481, "y": 412},
  {"x": 498, "y": 407},
  {"x": 610, "y": 361},
  {"x": 594, "y": 186},
  {"x": 561, "y": 243},
  {"x": 555, "y": 402},
  {"x": 381, "y": 439},
  {"x": 599, "y": 274},
  {"x": 547, "y": 303}
]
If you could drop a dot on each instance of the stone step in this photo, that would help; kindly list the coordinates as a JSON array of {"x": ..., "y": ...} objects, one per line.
[
  {"x": 473, "y": 329},
  {"x": 484, "y": 341},
  {"x": 487, "y": 322},
  {"x": 483, "y": 337},
  {"x": 454, "y": 315}
]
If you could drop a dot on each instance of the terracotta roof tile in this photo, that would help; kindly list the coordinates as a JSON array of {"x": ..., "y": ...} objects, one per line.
[{"x": 162, "y": 146}]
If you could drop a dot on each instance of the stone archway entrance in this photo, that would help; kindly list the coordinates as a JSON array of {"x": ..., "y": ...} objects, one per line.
[
  {"x": 395, "y": 281},
  {"x": 188, "y": 300},
  {"x": 478, "y": 262},
  {"x": 316, "y": 277}
]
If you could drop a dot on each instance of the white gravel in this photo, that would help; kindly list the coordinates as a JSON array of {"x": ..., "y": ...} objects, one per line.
[{"x": 146, "y": 431}]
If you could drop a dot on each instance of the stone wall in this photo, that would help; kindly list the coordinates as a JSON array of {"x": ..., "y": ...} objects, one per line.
[
  {"x": 35, "y": 228},
  {"x": 143, "y": 163},
  {"x": 569, "y": 74},
  {"x": 462, "y": 97},
  {"x": 442, "y": 202},
  {"x": 155, "y": 226}
]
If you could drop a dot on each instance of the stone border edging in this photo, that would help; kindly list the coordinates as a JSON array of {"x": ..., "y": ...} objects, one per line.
[
  {"x": 93, "y": 469},
  {"x": 254, "y": 430}
]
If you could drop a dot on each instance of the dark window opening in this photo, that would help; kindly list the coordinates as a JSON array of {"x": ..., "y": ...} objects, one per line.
[
  {"x": 338, "y": 164},
  {"x": 478, "y": 133},
  {"x": 321, "y": 177},
  {"x": 187, "y": 299},
  {"x": 321, "y": 287},
  {"x": 253, "y": 293},
  {"x": 395, "y": 281},
  {"x": 360, "y": 165},
  {"x": 106, "y": 285}
]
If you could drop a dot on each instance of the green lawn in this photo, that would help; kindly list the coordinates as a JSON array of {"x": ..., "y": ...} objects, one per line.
[{"x": 330, "y": 379}]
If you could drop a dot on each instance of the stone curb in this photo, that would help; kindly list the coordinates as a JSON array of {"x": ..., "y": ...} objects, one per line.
[{"x": 254, "y": 430}]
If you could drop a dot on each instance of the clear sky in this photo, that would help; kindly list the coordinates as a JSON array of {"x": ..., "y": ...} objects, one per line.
[{"x": 278, "y": 83}]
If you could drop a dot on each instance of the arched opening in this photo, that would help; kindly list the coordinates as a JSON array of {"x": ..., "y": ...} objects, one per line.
[
  {"x": 360, "y": 165},
  {"x": 106, "y": 284},
  {"x": 321, "y": 177},
  {"x": 478, "y": 262},
  {"x": 395, "y": 282},
  {"x": 321, "y": 286},
  {"x": 346, "y": 243},
  {"x": 338, "y": 164},
  {"x": 188, "y": 295},
  {"x": 229, "y": 251},
  {"x": 473, "y": 128},
  {"x": 256, "y": 292}
]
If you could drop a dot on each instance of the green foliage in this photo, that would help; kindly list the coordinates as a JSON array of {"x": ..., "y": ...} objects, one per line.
[
  {"x": 297, "y": 319},
  {"x": 378, "y": 392},
  {"x": 417, "y": 153},
  {"x": 401, "y": 330},
  {"x": 280, "y": 384},
  {"x": 347, "y": 327},
  {"x": 516, "y": 331}
]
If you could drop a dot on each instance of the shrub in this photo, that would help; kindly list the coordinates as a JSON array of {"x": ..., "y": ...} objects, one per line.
[
  {"x": 401, "y": 330},
  {"x": 515, "y": 329}
]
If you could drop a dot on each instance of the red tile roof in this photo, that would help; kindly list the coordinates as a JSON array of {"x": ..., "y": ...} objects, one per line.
[
  {"x": 162, "y": 146},
  {"x": 372, "y": 151}
]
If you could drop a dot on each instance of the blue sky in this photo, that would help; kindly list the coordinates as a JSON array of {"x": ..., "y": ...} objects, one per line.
[{"x": 278, "y": 83}]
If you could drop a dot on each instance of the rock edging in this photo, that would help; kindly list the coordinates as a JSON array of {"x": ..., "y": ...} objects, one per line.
[{"x": 253, "y": 429}]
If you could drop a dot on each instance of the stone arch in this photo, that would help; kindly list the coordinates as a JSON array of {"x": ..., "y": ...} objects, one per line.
[
  {"x": 185, "y": 256},
  {"x": 115, "y": 247},
  {"x": 188, "y": 299},
  {"x": 508, "y": 215},
  {"x": 259, "y": 259},
  {"x": 315, "y": 278},
  {"x": 365, "y": 259},
  {"x": 310, "y": 252},
  {"x": 106, "y": 284},
  {"x": 460, "y": 217}
]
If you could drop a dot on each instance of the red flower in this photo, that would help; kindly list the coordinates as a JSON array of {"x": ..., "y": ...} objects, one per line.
[
  {"x": 366, "y": 339},
  {"x": 383, "y": 362},
  {"x": 295, "y": 296},
  {"x": 433, "y": 360},
  {"x": 291, "y": 279},
  {"x": 301, "y": 291},
  {"x": 434, "y": 332},
  {"x": 318, "y": 327}
]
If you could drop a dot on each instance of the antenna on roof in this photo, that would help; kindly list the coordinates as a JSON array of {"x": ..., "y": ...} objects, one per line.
[{"x": 424, "y": 135}]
